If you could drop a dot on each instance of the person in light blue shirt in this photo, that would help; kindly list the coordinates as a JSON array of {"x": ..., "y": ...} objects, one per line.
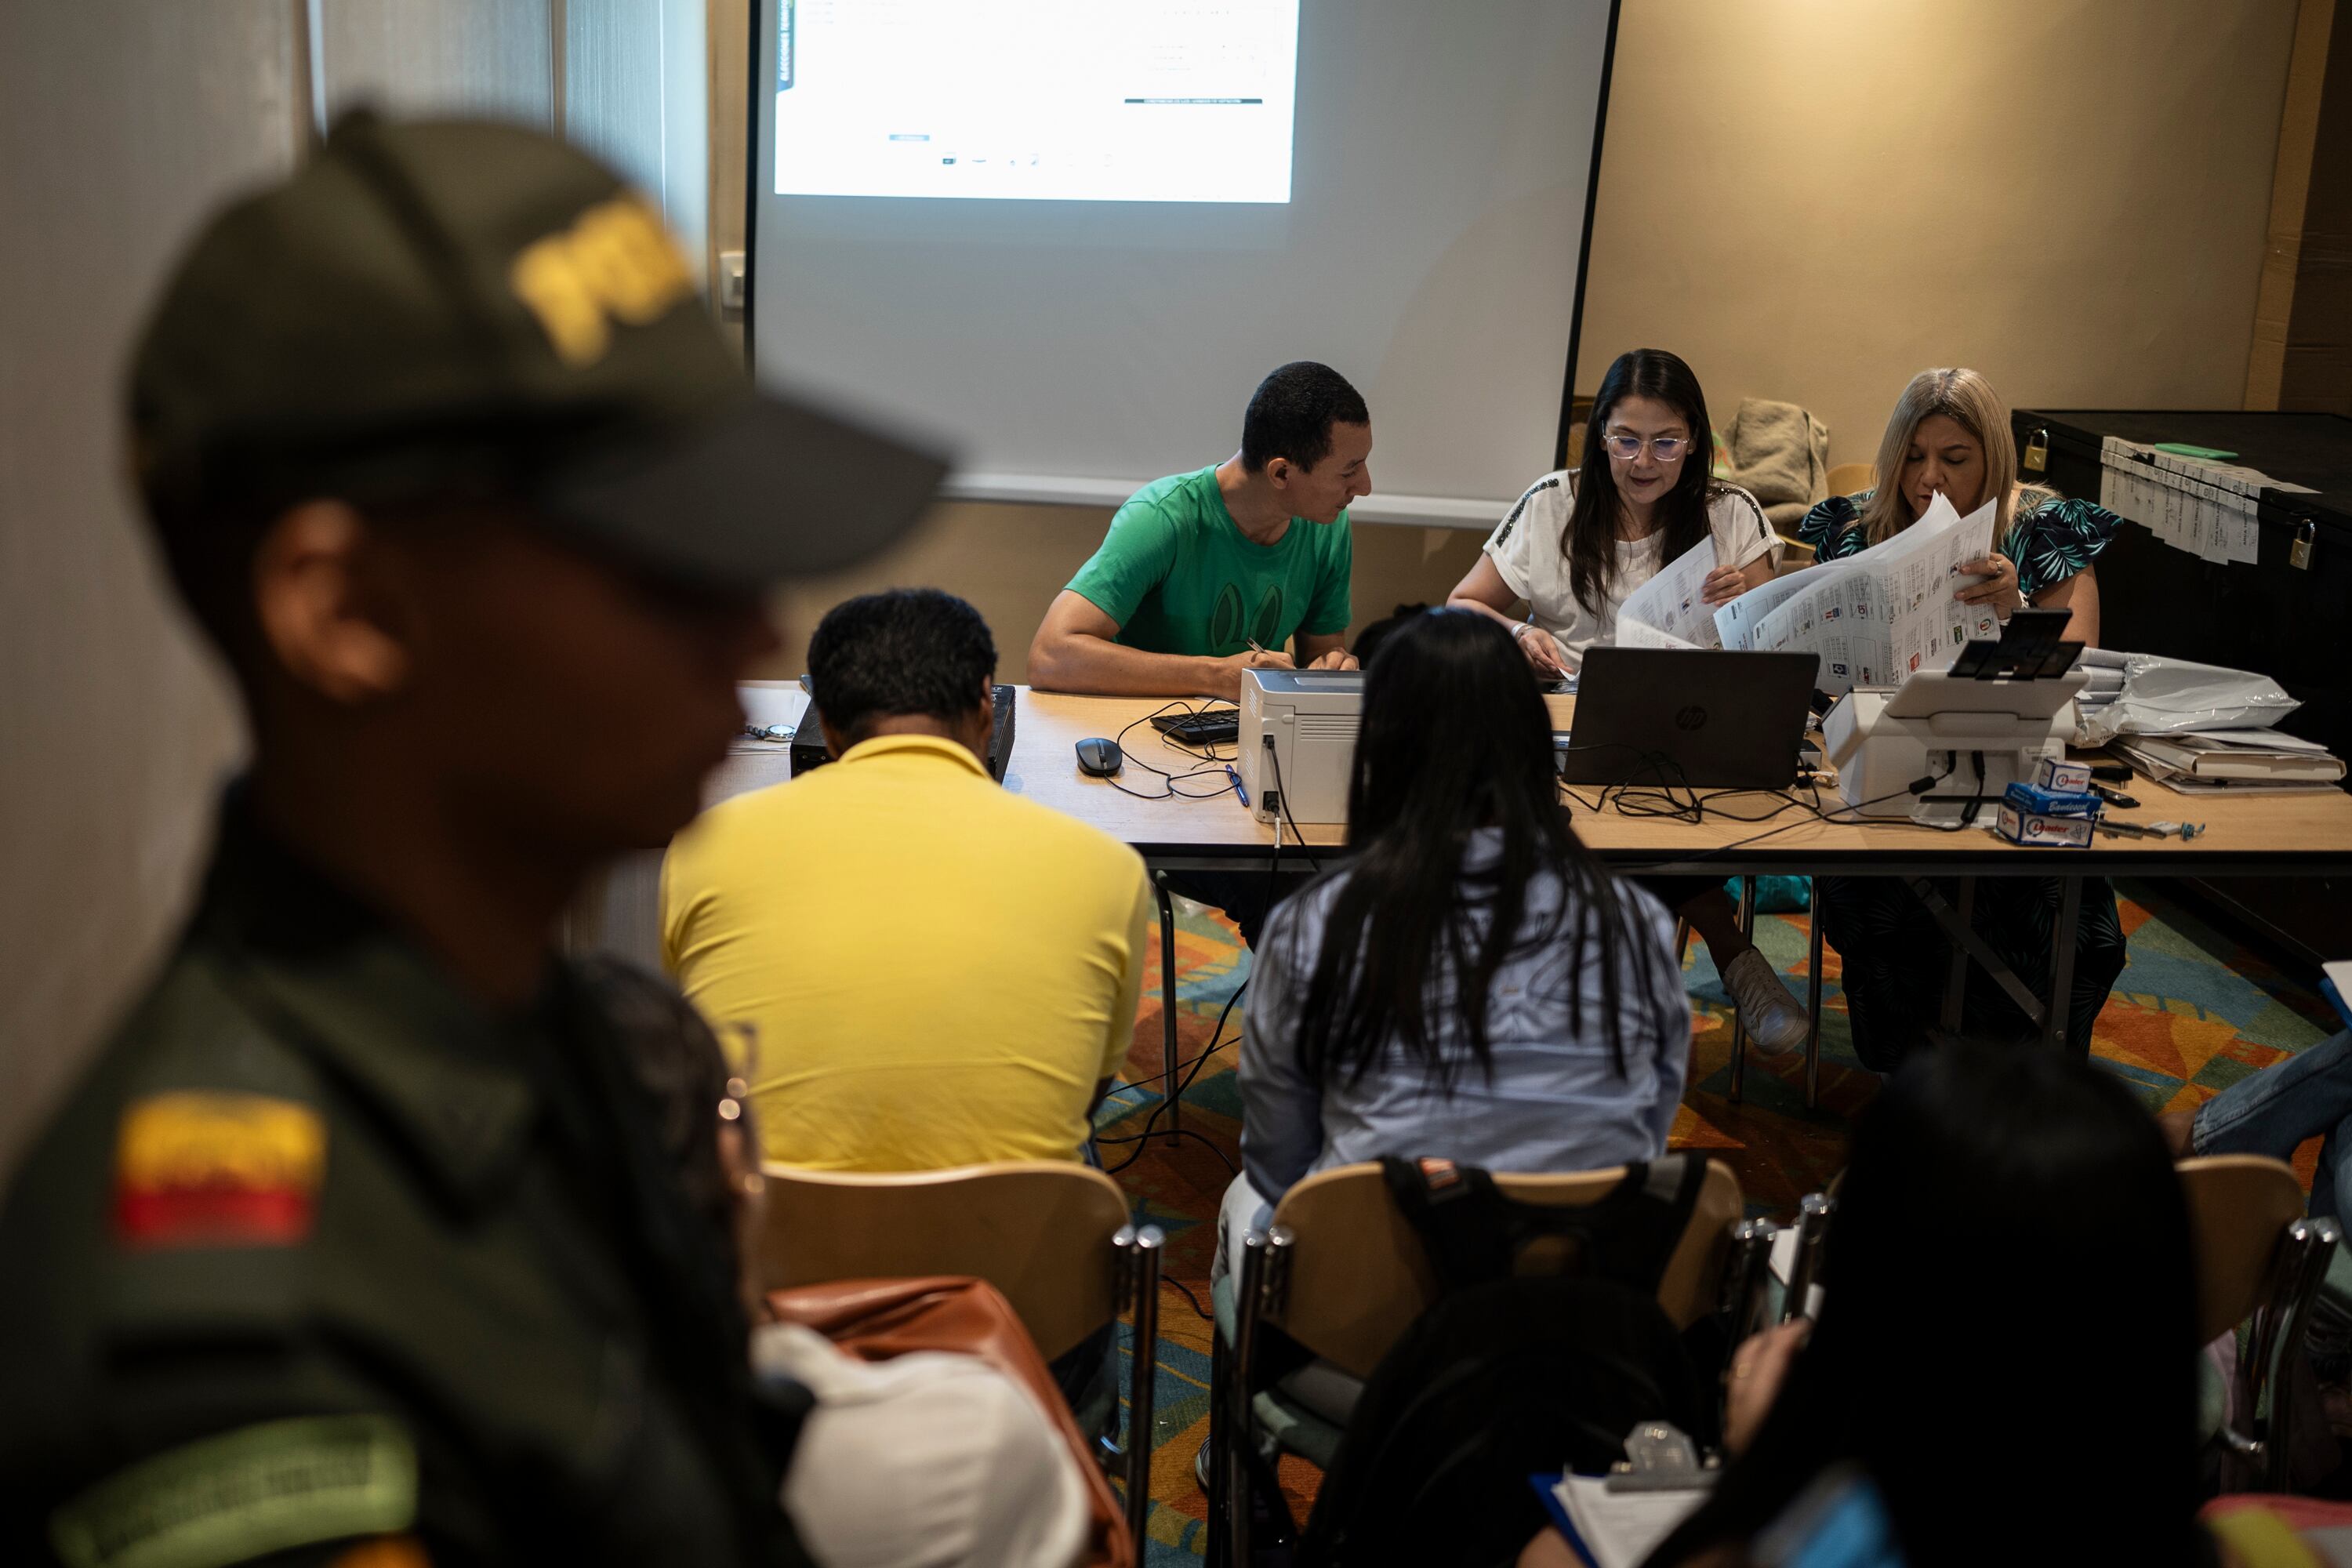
[{"x": 1470, "y": 982}]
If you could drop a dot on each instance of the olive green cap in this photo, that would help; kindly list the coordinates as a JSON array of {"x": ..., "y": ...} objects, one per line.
[{"x": 442, "y": 303}]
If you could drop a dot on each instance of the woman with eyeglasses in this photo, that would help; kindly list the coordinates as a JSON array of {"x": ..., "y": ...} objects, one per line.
[
  {"x": 1582, "y": 539},
  {"x": 1577, "y": 543}
]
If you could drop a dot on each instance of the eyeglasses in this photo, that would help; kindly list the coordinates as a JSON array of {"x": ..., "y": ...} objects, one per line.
[{"x": 1625, "y": 448}]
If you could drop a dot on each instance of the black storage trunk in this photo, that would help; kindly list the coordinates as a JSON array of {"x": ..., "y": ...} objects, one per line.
[{"x": 2292, "y": 624}]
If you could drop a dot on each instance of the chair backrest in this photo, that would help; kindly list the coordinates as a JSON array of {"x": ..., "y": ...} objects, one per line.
[
  {"x": 1038, "y": 1230},
  {"x": 1357, "y": 1275},
  {"x": 2239, "y": 1207},
  {"x": 1851, "y": 479}
]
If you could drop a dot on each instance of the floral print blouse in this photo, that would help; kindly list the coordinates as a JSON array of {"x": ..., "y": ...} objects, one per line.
[{"x": 2049, "y": 542}]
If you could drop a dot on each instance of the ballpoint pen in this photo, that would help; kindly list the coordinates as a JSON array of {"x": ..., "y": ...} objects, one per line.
[{"x": 1239, "y": 788}]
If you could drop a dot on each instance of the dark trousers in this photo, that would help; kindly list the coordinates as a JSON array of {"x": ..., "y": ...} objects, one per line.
[
  {"x": 1675, "y": 891},
  {"x": 1087, "y": 1375},
  {"x": 1897, "y": 960}
]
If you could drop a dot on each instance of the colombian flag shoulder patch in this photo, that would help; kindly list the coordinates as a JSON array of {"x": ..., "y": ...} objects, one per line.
[{"x": 198, "y": 1168}]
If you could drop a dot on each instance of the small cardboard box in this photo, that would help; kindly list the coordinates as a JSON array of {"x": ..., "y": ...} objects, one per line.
[
  {"x": 2062, "y": 777},
  {"x": 2037, "y": 831}
]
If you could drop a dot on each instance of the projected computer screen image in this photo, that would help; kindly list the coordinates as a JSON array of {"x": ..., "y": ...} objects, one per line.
[
  {"x": 1080, "y": 100},
  {"x": 1397, "y": 190}
]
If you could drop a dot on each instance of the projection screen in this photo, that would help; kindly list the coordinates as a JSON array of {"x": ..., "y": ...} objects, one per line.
[{"x": 1070, "y": 236}]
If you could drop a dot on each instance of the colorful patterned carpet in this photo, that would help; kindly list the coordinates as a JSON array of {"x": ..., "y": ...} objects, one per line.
[{"x": 2193, "y": 1013}]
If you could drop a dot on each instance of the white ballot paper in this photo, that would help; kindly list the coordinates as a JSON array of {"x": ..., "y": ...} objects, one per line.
[
  {"x": 1619, "y": 1529},
  {"x": 1639, "y": 634},
  {"x": 1877, "y": 616},
  {"x": 1669, "y": 606}
]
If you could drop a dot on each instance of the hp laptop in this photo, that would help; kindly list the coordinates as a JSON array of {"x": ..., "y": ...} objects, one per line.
[{"x": 1708, "y": 719}]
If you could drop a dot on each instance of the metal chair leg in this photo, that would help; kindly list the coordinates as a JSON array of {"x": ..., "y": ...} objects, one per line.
[
  {"x": 1682, "y": 942},
  {"x": 2301, "y": 1267},
  {"x": 1168, "y": 1046},
  {"x": 1218, "y": 1537},
  {"x": 1142, "y": 1248},
  {"x": 1747, "y": 1273},
  {"x": 1814, "y": 1211},
  {"x": 1740, "y": 1029},
  {"x": 1248, "y": 1289},
  {"x": 1813, "y": 996}
]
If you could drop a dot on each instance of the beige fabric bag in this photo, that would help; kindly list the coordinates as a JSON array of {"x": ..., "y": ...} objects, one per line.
[{"x": 1779, "y": 455}]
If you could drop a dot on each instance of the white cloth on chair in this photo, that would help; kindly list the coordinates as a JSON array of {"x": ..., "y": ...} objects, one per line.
[{"x": 927, "y": 1460}]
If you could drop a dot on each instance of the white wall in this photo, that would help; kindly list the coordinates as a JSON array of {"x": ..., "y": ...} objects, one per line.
[{"x": 122, "y": 123}]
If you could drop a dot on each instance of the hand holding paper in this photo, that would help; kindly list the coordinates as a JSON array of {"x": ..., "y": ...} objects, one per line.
[
  {"x": 1674, "y": 603},
  {"x": 1723, "y": 584},
  {"x": 1994, "y": 583},
  {"x": 1881, "y": 613}
]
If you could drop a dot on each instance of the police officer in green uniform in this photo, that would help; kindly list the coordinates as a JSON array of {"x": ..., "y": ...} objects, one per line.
[{"x": 366, "y": 1239}]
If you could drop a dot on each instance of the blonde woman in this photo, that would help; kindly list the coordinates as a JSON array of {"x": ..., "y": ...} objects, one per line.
[{"x": 1949, "y": 432}]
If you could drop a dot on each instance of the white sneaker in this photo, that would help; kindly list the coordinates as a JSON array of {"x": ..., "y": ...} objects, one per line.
[{"x": 1774, "y": 1018}]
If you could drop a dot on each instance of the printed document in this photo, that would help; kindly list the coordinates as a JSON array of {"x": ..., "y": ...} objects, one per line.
[
  {"x": 1880, "y": 615},
  {"x": 1619, "y": 1529},
  {"x": 1670, "y": 606}
]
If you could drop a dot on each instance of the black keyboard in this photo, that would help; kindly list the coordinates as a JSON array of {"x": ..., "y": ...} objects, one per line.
[{"x": 1212, "y": 727}]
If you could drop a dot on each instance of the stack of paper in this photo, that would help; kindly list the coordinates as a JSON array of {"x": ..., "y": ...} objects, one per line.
[
  {"x": 1619, "y": 1529},
  {"x": 2105, "y": 669},
  {"x": 1879, "y": 615},
  {"x": 2211, "y": 760},
  {"x": 1668, "y": 611},
  {"x": 2205, "y": 507}
]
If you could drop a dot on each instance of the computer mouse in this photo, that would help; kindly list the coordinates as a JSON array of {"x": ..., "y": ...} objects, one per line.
[{"x": 1099, "y": 758}]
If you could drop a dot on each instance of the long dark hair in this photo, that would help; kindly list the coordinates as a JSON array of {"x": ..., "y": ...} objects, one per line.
[
  {"x": 1455, "y": 738},
  {"x": 1591, "y": 541},
  {"x": 2011, "y": 1255}
]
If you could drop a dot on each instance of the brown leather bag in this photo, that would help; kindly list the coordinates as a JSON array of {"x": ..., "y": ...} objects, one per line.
[{"x": 877, "y": 1319}]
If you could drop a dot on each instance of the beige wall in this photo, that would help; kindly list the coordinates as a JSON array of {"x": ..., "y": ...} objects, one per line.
[{"x": 1813, "y": 201}]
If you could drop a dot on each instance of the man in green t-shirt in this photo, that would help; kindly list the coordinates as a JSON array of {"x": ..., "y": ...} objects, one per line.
[{"x": 1207, "y": 574}]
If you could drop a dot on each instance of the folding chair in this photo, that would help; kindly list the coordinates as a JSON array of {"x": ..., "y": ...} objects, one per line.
[
  {"x": 1813, "y": 991},
  {"x": 1341, "y": 1271},
  {"x": 2258, "y": 1256},
  {"x": 1851, "y": 479},
  {"x": 1053, "y": 1237}
]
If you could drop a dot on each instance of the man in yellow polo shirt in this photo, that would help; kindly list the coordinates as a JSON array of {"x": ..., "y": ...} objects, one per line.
[{"x": 921, "y": 969}]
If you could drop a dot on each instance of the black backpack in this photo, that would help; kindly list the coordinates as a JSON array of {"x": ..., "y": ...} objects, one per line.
[{"x": 1510, "y": 1374}]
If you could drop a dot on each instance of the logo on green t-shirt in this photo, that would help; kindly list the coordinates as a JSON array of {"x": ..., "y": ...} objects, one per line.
[
  {"x": 1177, "y": 576},
  {"x": 1265, "y": 629}
]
